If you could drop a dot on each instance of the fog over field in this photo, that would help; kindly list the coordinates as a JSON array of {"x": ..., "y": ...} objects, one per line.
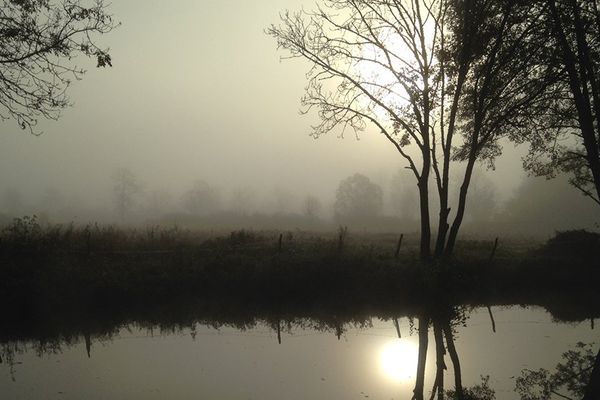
[
  {"x": 300, "y": 199},
  {"x": 198, "y": 98}
]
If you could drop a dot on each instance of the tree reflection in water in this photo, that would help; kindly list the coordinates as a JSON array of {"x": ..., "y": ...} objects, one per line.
[
  {"x": 442, "y": 321},
  {"x": 576, "y": 377}
]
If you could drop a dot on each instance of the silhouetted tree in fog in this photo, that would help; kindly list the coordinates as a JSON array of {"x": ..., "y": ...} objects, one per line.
[
  {"x": 38, "y": 41},
  {"x": 358, "y": 198},
  {"x": 565, "y": 130},
  {"x": 442, "y": 80},
  {"x": 126, "y": 188},
  {"x": 312, "y": 206},
  {"x": 201, "y": 199}
]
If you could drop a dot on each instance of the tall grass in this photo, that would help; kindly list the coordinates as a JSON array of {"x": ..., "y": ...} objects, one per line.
[{"x": 93, "y": 269}]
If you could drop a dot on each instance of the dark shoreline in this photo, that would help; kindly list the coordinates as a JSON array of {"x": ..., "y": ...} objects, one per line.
[{"x": 58, "y": 283}]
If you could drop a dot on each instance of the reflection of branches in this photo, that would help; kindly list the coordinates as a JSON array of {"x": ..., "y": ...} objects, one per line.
[
  {"x": 440, "y": 352},
  {"x": 481, "y": 391},
  {"x": 577, "y": 377},
  {"x": 442, "y": 331},
  {"x": 422, "y": 359},
  {"x": 455, "y": 360},
  {"x": 443, "y": 334},
  {"x": 45, "y": 346}
]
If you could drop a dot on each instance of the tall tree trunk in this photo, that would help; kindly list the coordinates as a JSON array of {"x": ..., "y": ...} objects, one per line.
[
  {"x": 440, "y": 352},
  {"x": 443, "y": 225},
  {"x": 458, "y": 388},
  {"x": 422, "y": 358},
  {"x": 462, "y": 203},
  {"x": 590, "y": 69},
  {"x": 426, "y": 146},
  {"x": 425, "y": 252}
]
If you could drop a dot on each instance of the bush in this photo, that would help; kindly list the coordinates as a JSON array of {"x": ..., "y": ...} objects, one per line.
[{"x": 574, "y": 244}]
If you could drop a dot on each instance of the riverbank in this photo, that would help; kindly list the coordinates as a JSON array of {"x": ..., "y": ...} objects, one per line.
[{"x": 61, "y": 275}]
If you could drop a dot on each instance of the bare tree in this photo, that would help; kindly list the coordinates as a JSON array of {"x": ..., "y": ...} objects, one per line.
[
  {"x": 39, "y": 40},
  {"x": 372, "y": 63},
  {"x": 442, "y": 80}
]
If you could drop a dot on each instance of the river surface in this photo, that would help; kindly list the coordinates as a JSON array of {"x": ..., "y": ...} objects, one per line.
[{"x": 203, "y": 362}]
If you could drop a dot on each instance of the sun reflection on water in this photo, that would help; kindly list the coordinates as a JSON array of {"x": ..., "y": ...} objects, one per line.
[{"x": 398, "y": 360}]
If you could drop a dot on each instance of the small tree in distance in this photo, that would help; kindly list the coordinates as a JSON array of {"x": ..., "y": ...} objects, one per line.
[
  {"x": 357, "y": 198},
  {"x": 126, "y": 188},
  {"x": 312, "y": 206}
]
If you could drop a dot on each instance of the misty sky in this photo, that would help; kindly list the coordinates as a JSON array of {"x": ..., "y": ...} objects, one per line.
[{"x": 197, "y": 91}]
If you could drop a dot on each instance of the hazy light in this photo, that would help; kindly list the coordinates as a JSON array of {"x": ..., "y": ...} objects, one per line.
[
  {"x": 377, "y": 69},
  {"x": 398, "y": 360},
  {"x": 381, "y": 81}
]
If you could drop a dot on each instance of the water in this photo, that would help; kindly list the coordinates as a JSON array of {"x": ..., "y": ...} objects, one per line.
[{"x": 203, "y": 362}]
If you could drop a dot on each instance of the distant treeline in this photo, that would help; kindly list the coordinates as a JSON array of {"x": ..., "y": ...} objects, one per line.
[{"x": 537, "y": 208}]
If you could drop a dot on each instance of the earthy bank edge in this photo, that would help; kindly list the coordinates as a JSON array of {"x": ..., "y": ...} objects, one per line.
[{"x": 61, "y": 282}]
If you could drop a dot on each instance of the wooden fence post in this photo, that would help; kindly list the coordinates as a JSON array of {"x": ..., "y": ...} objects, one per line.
[
  {"x": 398, "y": 246},
  {"x": 494, "y": 249}
]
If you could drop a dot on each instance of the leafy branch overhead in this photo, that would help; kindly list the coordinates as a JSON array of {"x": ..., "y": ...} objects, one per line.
[{"x": 40, "y": 41}]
